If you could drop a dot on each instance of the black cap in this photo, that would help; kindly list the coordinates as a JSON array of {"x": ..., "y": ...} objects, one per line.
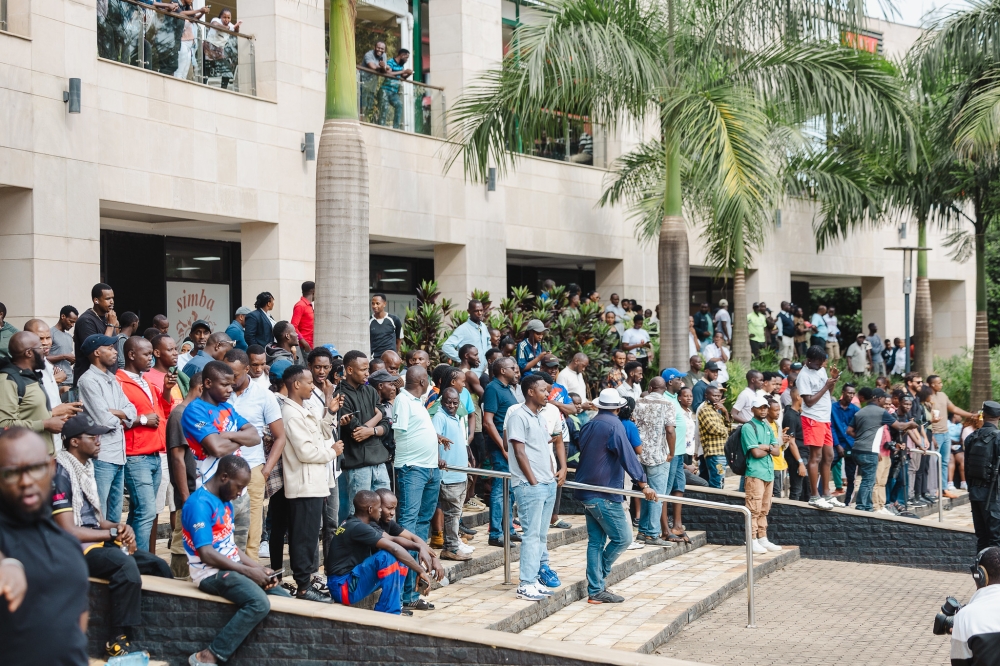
[
  {"x": 81, "y": 424},
  {"x": 201, "y": 323},
  {"x": 381, "y": 377},
  {"x": 712, "y": 365},
  {"x": 551, "y": 362},
  {"x": 796, "y": 366},
  {"x": 991, "y": 409},
  {"x": 878, "y": 393}
]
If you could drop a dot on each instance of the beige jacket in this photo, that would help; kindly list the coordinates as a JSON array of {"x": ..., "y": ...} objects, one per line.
[{"x": 307, "y": 454}]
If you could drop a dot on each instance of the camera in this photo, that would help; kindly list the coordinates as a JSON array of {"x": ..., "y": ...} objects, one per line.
[{"x": 944, "y": 621}]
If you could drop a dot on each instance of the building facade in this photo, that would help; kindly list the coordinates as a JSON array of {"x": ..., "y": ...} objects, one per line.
[{"x": 186, "y": 180}]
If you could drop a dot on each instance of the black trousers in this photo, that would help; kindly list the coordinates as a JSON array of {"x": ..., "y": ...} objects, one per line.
[
  {"x": 305, "y": 517},
  {"x": 920, "y": 479},
  {"x": 277, "y": 515},
  {"x": 851, "y": 470},
  {"x": 122, "y": 573},
  {"x": 986, "y": 522}
]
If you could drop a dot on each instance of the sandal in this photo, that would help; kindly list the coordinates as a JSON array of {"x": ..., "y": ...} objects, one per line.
[
  {"x": 561, "y": 524},
  {"x": 682, "y": 537},
  {"x": 420, "y": 605}
]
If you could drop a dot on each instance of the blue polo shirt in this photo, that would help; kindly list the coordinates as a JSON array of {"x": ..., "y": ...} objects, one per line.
[
  {"x": 497, "y": 399},
  {"x": 840, "y": 418}
]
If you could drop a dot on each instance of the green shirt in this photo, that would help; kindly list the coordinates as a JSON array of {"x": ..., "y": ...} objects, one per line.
[
  {"x": 757, "y": 433},
  {"x": 755, "y": 325},
  {"x": 680, "y": 424}
]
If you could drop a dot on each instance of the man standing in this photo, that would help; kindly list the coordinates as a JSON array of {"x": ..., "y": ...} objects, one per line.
[
  {"x": 819, "y": 329},
  {"x": 105, "y": 403},
  {"x": 236, "y": 330},
  {"x": 655, "y": 418},
  {"x": 258, "y": 324},
  {"x": 384, "y": 329},
  {"x": 129, "y": 326},
  {"x": 982, "y": 450},
  {"x": 619, "y": 312},
  {"x": 258, "y": 365},
  {"x": 786, "y": 327},
  {"x": 616, "y": 376},
  {"x": 43, "y": 575},
  {"x": 832, "y": 334},
  {"x": 866, "y": 429},
  {"x": 713, "y": 430},
  {"x": 859, "y": 356},
  {"x": 285, "y": 345},
  {"x": 759, "y": 446},
  {"x": 742, "y": 409},
  {"x": 573, "y": 377},
  {"x": 841, "y": 414},
  {"x": 941, "y": 409},
  {"x": 389, "y": 92},
  {"x": 708, "y": 378},
  {"x": 183, "y": 476},
  {"x": 473, "y": 332},
  {"x": 325, "y": 402},
  {"x": 304, "y": 315},
  {"x": 7, "y": 331},
  {"x": 814, "y": 386},
  {"x": 145, "y": 439},
  {"x": 605, "y": 455},
  {"x": 723, "y": 320},
  {"x": 365, "y": 453},
  {"x": 756, "y": 323},
  {"x": 48, "y": 374},
  {"x": 694, "y": 373},
  {"x": 418, "y": 479},
  {"x": 498, "y": 397},
  {"x": 213, "y": 348},
  {"x": 98, "y": 320},
  {"x": 530, "y": 351},
  {"x": 632, "y": 388},
  {"x": 308, "y": 478},
  {"x": 877, "y": 347},
  {"x": 532, "y": 481},
  {"x": 677, "y": 479},
  {"x": 636, "y": 339},
  {"x": 703, "y": 323},
  {"x": 258, "y": 406},
  {"x": 62, "y": 355},
  {"x": 164, "y": 363},
  {"x": 161, "y": 324}
]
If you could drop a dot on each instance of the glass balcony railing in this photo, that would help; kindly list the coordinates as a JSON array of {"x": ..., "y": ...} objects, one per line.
[
  {"x": 400, "y": 104},
  {"x": 140, "y": 35},
  {"x": 574, "y": 139}
]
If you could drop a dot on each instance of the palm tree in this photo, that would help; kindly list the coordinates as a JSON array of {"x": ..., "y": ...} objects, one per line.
[
  {"x": 726, "y": 78},
  {"x": 342, "y": 197}
]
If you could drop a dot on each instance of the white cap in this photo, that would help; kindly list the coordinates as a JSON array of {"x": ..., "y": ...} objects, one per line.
[
  {"x": 759, "y": 401},
  {"x": 610, "y": 399},
  {"x": 723, "y": 303}
]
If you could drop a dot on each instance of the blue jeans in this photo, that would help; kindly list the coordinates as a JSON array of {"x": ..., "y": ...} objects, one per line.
[
  {"x": 535, "y": 504},
  {"x": 716, "y": 470},
  {"x": 658, "y": 477},
  {"x": 251, "y": 603},
  {"x": 943, "y": 440},
  {"x": 371, "y": 477},
  {"x": 866, "y": 461},
  {"x": 380, "y": 571},
  {"x": 608, "y": 535},
  {"x": 142, "y": 478},
  {"x": 677, "y": 480},
  {"x": 417, "y": 489},
  {"x": 496, "y": 496},
  {"x": 110, "y": 489}
]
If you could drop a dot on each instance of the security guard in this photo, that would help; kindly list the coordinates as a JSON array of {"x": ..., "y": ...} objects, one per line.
[
  {"x": 975, "y": 639},
  {"x": 982, "y": 459}
]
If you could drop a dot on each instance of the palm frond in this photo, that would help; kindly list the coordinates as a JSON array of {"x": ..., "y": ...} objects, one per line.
[
  {"x": 960, "y": 40},
  {"x": 961, "y": 245},
  {"x": 976, "y": 126}
]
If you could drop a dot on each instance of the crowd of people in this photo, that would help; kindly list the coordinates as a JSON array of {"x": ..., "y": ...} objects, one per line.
[{"x": 258, "y": 436}]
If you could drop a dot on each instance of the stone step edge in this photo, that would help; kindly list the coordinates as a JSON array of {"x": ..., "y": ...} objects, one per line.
[
  {"x": 947, "y": 505},
  {"x": 693, "y": 612},
  {"x": 572, "y": 592}
]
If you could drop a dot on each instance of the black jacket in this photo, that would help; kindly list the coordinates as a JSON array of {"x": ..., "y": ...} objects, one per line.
[
  {"x": 258, "y": 329},
  {"x": 89, "y": 323},
  {"x": 364, "y": 401}
]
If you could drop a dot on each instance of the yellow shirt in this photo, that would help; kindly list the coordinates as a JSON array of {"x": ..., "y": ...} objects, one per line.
[{"x": 780, "y": 463}]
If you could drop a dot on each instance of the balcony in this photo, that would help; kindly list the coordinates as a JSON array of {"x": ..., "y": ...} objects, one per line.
[
  {"x": 404, "y": 105},
  {"x": 142, "y": 36}
]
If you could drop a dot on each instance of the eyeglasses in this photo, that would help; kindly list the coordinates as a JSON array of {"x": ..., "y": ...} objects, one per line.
[{"x": 11, "y": 475}]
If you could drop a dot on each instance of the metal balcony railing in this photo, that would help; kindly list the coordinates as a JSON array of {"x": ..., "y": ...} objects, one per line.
[
  {"x": 156, "y": 39},
  {"x": 400, "y": 104},
  {"x": 720, "y": 506}
]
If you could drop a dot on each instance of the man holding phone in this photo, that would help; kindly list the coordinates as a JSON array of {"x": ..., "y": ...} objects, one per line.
[{"x": 815, "y": 386}]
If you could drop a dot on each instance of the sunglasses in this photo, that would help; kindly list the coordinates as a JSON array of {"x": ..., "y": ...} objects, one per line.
[{"x": 9, "y": 476}]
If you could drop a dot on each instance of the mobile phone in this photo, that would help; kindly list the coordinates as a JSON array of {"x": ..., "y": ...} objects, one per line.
[
  {"x": 423, "y": 586},
  {"x": 275, "y": 574}
]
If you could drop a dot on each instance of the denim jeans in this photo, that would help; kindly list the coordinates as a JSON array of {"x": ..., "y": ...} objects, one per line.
[
  {"x": 142, "y": 478},
  {"x": 677, "y": 481},
  {"x": 241, "y": 521},
  {"x": 417, "y": 489},
  {"x": 535, "y": 505},
  {"x": 251, "y": 603},
  {"x": 658, "y": 477},
  {"x": 867, "y": 463},
  {"x": 943, "y": 440},
  {"x": 608, "y": 535},
  {"x": 110, "y": 489},
  {"x": 496, "y": 497},
  {"x": 716, "y": 470},
  {"x": 371, "y": 477}
]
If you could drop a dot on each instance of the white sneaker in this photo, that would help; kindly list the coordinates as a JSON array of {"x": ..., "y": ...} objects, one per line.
[
  {"x": 465, "y": 549},
  {"x": 834, "y": 502},
  {"x": 757, "y": 548},
  {"x": 885, "y": 512},
  {"x": 951, "y": 485},
  {"x": 264, "y": 551},
  {"x": 542, "y": 589},
  {"x": 635, "y": 545},
  {"x": 820, "y": 503},
  {"x": 529, "y": 593},
  {"x": 964, "y": 486},
  {"x": 763, "y": 541}
]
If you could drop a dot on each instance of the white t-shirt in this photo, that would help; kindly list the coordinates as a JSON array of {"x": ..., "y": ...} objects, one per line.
[
  {"x": 258, "y": 406},
  {"x": 627, "y": 391},
  {"x": 811, "y": 382},
  {"x": 744, "y": 401},
  {"x": 711, "y": 351},
  {"x": 634, "y": 336},
  {"x": 831, "y": 327},
  {"x": 857, "y": 356},
  {"x": 573, "y": 381}
]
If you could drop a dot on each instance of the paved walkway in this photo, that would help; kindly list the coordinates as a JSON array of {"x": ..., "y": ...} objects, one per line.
[{"x": 825, "y": 613}]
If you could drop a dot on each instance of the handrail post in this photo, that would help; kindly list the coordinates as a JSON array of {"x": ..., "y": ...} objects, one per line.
[
  {"x": 506, "y": 530},
  {"x": 940, "y": 497},
  {"x": 748, "y": 529}
]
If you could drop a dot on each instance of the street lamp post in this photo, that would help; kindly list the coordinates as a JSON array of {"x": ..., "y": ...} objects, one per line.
[{"x": 907, "y": 288}]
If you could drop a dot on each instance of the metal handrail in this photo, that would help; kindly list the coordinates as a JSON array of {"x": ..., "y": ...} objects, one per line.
[
  {"x": 940, "y": 497},
  {"x": 722, "y": 506},
  {"x": 151, "y": 8},
  {"x": 365, "y": 70}
]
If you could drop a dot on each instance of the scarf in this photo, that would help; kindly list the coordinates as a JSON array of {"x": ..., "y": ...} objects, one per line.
[{"x": 84, "y": 485}]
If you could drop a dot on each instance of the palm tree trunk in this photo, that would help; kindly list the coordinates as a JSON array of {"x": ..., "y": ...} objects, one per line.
[
  {"x": 982, "y": 386},
  {"x": 674, "y": 268},
  {"x": 741, "y": 338},
  {"x": 923, "y": 317},
  {"x": 342, "y": 198}
]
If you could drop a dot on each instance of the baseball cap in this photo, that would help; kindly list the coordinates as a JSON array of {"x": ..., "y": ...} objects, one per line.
[
  {"x": 82, "y": 424},
  {"x": 201, "y": 323},
  {"x": 278, "y": 368},
  {"x": 95, "y": 341},
  {"x": 333, "y": 350},
  {"x": 796, "y": 366},
  {"x": 243, "y": 310},
  {"x": 712, "y": 365},
  {"x": 671, "y": 373},
  {"x": 759, "y": 401},
  {"x": 551, "y": 362},
  {"x": 878, "y": 393},
  {"x": 536, "y": 326},
  {"x": 380, "y": 377},
  {"x": 991, "y": 409}
]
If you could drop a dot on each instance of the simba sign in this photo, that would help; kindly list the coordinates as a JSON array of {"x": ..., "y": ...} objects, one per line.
[{"x": 188, "y": 302}]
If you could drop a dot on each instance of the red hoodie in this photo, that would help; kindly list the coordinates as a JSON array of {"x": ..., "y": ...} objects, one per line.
[{"x": 139, "y": 439}]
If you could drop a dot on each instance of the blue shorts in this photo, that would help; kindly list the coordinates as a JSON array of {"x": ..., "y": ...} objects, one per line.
[{"x": 676, "y": 483}]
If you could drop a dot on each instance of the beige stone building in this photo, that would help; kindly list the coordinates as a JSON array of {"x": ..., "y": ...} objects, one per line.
[{"x": 185, "y": 179}]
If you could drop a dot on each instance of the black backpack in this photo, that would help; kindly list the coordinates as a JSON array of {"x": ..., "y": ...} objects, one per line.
[
  {"x": 735, "y": 458},
  {"x": 21, "y": 378},
  {"x": 981, "y": 457}
]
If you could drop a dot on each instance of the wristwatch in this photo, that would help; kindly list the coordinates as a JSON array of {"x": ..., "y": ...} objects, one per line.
[
  {"x": 114, "y": 533},
  {"x": 143, "y": 420}
]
